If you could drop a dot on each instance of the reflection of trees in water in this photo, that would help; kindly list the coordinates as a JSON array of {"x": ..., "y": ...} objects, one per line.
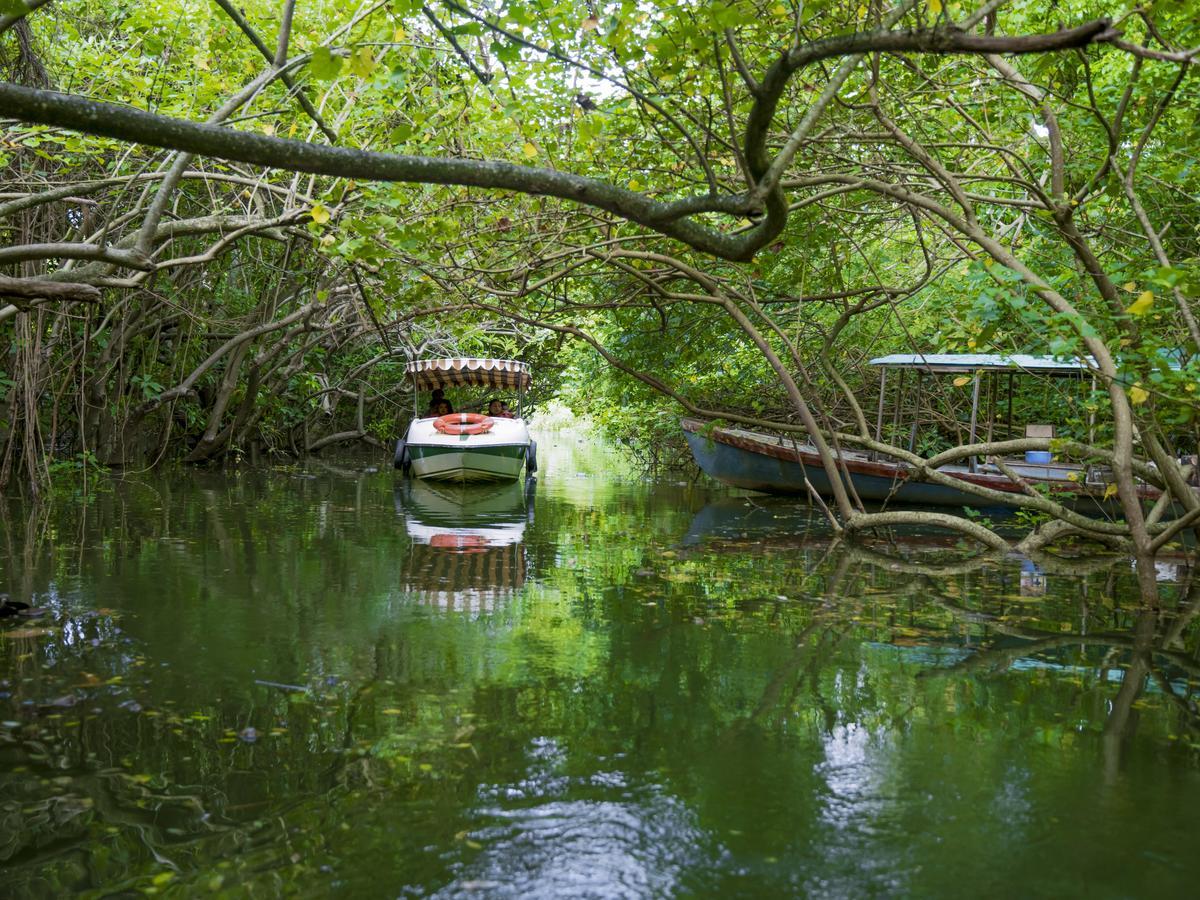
[
  {"x": 1149, "y": 646},
  {"x": 1151, "y": 649},
  {"x": 1048, "y": 611},
  {"x": 679, "y": 658}
]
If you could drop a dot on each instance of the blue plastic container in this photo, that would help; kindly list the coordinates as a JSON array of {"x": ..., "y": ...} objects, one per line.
[{"x": 1037, "y": 457}]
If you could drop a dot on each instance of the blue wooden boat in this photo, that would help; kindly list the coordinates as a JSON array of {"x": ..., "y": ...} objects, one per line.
[
  {"x": 785, "y": 465},
  {"x": 782, "y": 465}
]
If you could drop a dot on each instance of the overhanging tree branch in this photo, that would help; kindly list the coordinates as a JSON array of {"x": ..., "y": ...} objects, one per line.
[{"x": 673, "y": 218}]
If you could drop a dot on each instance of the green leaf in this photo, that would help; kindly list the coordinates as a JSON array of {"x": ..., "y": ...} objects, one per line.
[
  {"x": 362, "y": 62},
  {"x": 324, "y": 66},
  {"x": 1141, "y": 306}
]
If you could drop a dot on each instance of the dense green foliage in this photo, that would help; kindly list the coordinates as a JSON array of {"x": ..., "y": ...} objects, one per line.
[{"x": 736, "y": 204}]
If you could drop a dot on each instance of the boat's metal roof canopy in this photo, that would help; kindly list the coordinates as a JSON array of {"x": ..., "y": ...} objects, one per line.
[
  {"x": 945, "y": 363},
  {"x": 504, "y": 374}
]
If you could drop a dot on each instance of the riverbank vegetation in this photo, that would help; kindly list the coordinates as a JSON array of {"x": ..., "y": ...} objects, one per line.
[{"x": 725, "y": 210}]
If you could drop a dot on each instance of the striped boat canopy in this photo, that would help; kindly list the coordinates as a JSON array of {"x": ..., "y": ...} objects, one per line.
[{"x": 427, "y": 374}]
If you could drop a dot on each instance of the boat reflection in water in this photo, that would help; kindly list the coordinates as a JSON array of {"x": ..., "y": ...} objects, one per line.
[{"x": 468, "y": 552}]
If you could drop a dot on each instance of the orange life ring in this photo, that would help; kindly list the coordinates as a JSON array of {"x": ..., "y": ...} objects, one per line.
[{"x": 463, "y": 423}]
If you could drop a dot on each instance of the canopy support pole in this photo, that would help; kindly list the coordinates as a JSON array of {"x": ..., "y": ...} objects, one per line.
[
  {"x": 991, "y": 407},
  {"x": 1009, "y": 425},
  {"x": 879, "y": 411},
  {"x": 974, "y": 415},
  {"x": 916, "y": 422},
  {"x": 899, "y": 402}
]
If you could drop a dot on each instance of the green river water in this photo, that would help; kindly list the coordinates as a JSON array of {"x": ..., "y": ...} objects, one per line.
[{"x": 312, "y": 680}]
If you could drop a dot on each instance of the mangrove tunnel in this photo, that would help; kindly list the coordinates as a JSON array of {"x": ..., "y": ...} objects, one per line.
[{"x": 599, "y": 449}]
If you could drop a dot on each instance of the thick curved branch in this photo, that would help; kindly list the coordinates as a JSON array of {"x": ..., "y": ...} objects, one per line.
[
  {"x": 8, "y": 20},
  {"x": 925, "y": 518},
  {"x": 124, "y": 123},
  {"x": 671, "y": 218},
  {"x": 69, "y": 250}
]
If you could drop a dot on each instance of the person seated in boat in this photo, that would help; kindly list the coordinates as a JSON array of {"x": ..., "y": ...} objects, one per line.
[
  {"x": 436, "y": 399},
  {"x": 498, "y": 409}
]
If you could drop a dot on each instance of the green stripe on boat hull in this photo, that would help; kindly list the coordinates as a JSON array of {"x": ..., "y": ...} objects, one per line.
[{"x": 498, "y": 463}]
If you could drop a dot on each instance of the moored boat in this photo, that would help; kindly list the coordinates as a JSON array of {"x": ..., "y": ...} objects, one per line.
[
  {"x": 467, "y": 447},
  {"x": 787, "y": 465},
  {"x": 783, "y": 465}
]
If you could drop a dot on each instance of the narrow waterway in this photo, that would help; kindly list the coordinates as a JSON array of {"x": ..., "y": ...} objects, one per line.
[{"x": 317, "y": 680}]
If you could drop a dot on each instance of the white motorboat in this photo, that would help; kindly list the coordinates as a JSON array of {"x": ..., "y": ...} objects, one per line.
[{"x": 467, "y": 447}]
